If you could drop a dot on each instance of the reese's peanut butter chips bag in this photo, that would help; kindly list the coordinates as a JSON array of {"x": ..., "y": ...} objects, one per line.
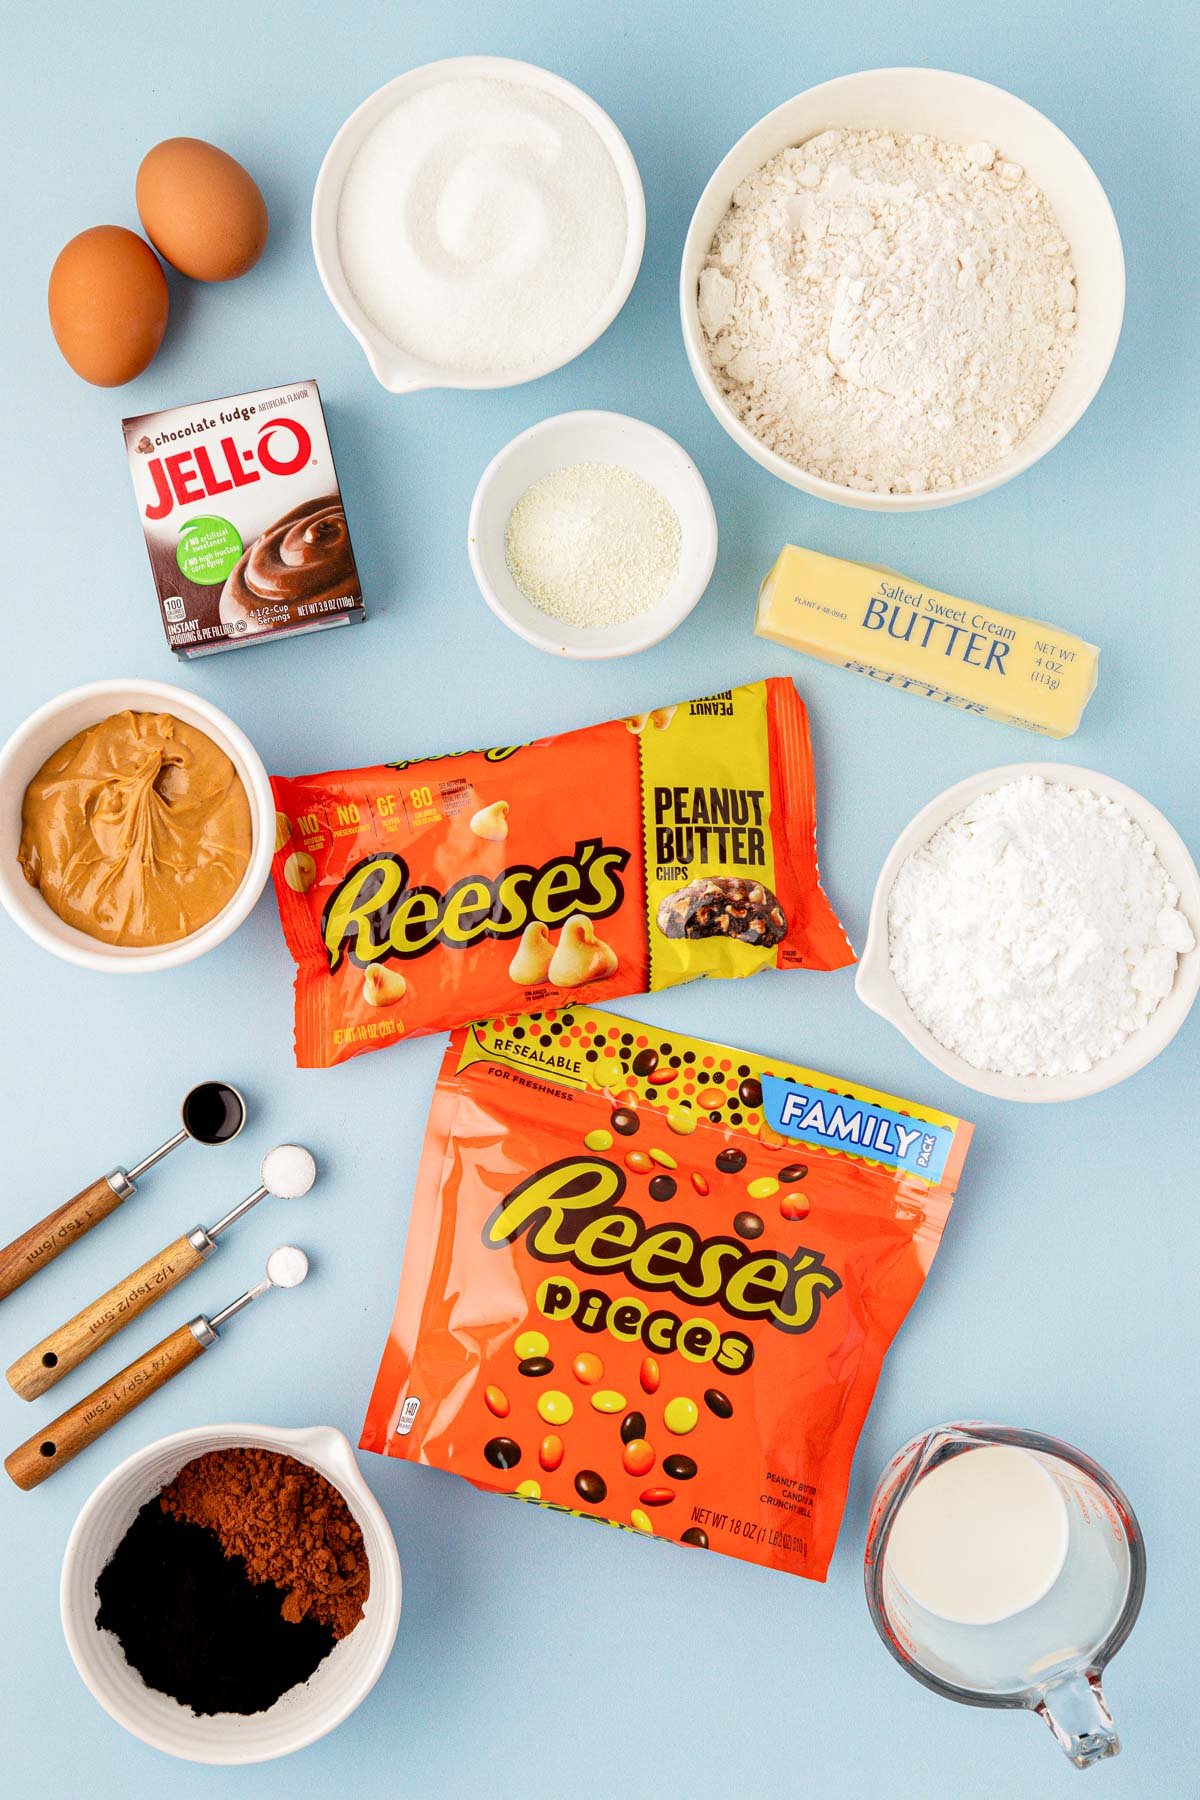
[
  {"x": 624, "y": 857},
  {"x": 651, "y": 1280}
]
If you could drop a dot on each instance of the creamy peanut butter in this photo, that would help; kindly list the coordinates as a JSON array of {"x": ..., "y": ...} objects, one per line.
[{"x": 137, "y": 830}]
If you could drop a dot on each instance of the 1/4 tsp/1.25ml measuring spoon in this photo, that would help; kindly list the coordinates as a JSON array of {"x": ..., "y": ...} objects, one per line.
[
  {"x": 212, "y": 1113},
  {"x": 288, "y": 1172},
  {"x": 38, "y": 1457}
]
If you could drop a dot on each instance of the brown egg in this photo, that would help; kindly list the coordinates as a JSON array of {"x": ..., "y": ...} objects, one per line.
[
  {"x": 200, "y": 209},
  {"x": 108, "y": 304}
]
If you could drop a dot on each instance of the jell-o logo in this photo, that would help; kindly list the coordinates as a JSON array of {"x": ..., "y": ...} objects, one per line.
[{"x": 189, "y": 475}]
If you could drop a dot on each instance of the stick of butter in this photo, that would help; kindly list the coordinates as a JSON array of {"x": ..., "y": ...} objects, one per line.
[{"x": 912, "y": 637}]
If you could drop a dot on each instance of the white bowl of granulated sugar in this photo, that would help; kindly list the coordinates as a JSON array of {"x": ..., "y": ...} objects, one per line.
[
  {"x": 477, "y": 222},
  {"x": 592, "y": 535},
  {"x": 901, "y": 289},
  {"x": 1033, "y": 933}
]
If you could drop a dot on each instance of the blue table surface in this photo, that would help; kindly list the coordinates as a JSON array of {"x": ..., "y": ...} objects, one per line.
[{"x": 536, "y": 1657}]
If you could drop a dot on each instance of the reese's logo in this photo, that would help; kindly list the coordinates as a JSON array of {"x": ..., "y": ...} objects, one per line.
[
  {"x": 375, "y": 913},
  {"x": 570, "y": 1211}
]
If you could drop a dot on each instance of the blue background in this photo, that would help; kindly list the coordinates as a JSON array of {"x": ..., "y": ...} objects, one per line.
[{"x": 535, "y": 1656}]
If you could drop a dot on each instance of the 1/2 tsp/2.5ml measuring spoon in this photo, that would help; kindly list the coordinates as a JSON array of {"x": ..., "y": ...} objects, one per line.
[
  {"x": 287, "y": 1172},
  {"x": 38, "y": 1457},
  {"x": 212, "y": 1113}
]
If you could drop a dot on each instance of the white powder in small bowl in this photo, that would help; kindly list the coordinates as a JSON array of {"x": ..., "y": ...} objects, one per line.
[
  {"x": 592, "y": 544},
  {"x": 1036, "y": 930}
]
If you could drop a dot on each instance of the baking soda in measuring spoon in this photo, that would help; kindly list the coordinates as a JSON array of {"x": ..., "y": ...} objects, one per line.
[
  {"x": 482, "y": 227},
  {"x": 981, "y": 1537}
]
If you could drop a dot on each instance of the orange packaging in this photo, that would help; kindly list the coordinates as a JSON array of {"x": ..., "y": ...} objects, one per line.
[
  {"x": 626, "y": 1294},
  {"x": 625, "y": 857}
]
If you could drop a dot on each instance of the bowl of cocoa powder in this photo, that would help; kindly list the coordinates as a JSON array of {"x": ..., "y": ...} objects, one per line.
[{"x": 231, "y": 1593}]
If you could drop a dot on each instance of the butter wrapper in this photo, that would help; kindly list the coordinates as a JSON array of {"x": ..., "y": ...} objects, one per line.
[{"x": 956, "y": 652}]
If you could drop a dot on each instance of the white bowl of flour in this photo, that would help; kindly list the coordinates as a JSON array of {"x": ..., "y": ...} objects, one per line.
[
  {"x": 901, "y": 289},
  {"x": 476, "y": 223},
  {"x": 1033, "y": 933}
]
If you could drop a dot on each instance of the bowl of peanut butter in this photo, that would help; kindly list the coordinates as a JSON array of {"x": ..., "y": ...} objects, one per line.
[{"x": 137, "y": 826}]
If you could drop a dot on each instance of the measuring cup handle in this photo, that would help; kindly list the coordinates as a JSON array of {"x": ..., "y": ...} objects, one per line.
[{"x": 1077, "y": 1713}]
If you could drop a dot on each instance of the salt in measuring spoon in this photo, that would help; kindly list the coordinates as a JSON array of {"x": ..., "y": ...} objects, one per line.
[
  {"x": 213, "y": 1112},
  {"x": 38, "y": 1457},
  {"x": 288, "y": 1172}
]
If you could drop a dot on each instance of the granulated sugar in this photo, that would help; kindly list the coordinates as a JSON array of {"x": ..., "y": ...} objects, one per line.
[
  {"x": 1036, "y": 930},
  {"x": 592, "y": 544},
  {"x": 482, "y": 226},
  {"x": 891, "y": 313}
]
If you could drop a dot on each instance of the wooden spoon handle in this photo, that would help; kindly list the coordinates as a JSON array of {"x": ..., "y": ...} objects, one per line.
[
  {"x": 36, "y": 1459},
  {"x": 64, "y": 1349},
  {"x": 58, "y": 1231}
]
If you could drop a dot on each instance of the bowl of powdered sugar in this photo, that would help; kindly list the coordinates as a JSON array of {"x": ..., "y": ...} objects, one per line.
[
  {"x": 901, "y": 289},
  {"x": 1033, "y": 933},
  {"x": 476, "y": 223}
]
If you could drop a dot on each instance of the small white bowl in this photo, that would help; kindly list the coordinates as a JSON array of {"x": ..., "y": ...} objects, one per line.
[
  {"x": 51, "y": 726},
  {"x": 960, "y": 110},
  {"x": 877, "y": 987},
  {"x": 391, "y": 365},
  {"x": 302, "y": 1715},
  {"x": 602, "y": 437}
]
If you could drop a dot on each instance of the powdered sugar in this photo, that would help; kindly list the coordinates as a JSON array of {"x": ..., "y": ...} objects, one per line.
[
  {"x": 1036, "y": 930},
  {"x": 891, "y": 313}
]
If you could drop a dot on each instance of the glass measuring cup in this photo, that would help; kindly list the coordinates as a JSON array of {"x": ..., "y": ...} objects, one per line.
[{"x": 1048, "y": 1657}]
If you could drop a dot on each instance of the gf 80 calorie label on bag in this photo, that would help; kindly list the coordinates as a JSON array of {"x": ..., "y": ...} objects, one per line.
[{"x": 839, "y": 1123}]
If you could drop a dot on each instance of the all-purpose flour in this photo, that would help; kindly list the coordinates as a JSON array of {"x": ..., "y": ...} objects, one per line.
[
  {"x": 1036, "y": 929},
  {"x": 889, "y": 312}
]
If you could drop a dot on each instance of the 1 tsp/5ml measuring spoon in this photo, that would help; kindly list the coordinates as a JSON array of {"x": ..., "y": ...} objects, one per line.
[
  {"x": 212, "y": 1113},
  {"x": 287, "y": 1172},
  {"x": 38, "y": 1457}
]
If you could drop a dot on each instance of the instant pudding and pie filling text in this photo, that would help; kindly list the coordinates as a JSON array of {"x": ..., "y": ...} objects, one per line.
[
  {"x": 622, "y": 858},
  {"x": 652, "y": 1280}
]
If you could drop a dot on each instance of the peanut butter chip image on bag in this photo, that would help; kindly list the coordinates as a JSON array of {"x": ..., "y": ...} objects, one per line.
[
  {"x": 619, "y": 859},
  {"x": 492, "y": 821},
  {"x": 581, "y": 956},
  {"x": 535, "y": 953},
  {"x": 383, "y": 986}
]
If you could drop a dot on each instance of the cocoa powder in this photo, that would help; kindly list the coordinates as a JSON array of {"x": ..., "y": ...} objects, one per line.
[{"x": 288, "y": 1523}]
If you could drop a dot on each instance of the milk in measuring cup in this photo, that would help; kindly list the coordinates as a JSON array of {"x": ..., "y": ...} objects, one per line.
[
  {"x": 1005, "y": 1568},
  {"x": 980, "y": 1537}
]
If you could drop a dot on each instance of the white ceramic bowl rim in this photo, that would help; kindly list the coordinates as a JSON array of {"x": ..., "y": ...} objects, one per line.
[
  {"x": 391, "y": 364},
  {"x": 697, "y": 521},
  {"x": 1031, "y": 448},
  {"x": 26, "y": 906},
  {"x": 877, "y": 987},
  {"x": 299, "y": 1717}
]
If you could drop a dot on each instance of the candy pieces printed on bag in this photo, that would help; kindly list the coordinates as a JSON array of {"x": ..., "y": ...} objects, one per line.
[{"x": 651, "y": 1279}]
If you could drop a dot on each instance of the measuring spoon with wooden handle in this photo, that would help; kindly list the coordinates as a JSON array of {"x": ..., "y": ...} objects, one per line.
[
  {"x": 38, "y": 1457},
  {"x": 288, "y": 1172},
  {"x": 212, "y": 1113}
]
